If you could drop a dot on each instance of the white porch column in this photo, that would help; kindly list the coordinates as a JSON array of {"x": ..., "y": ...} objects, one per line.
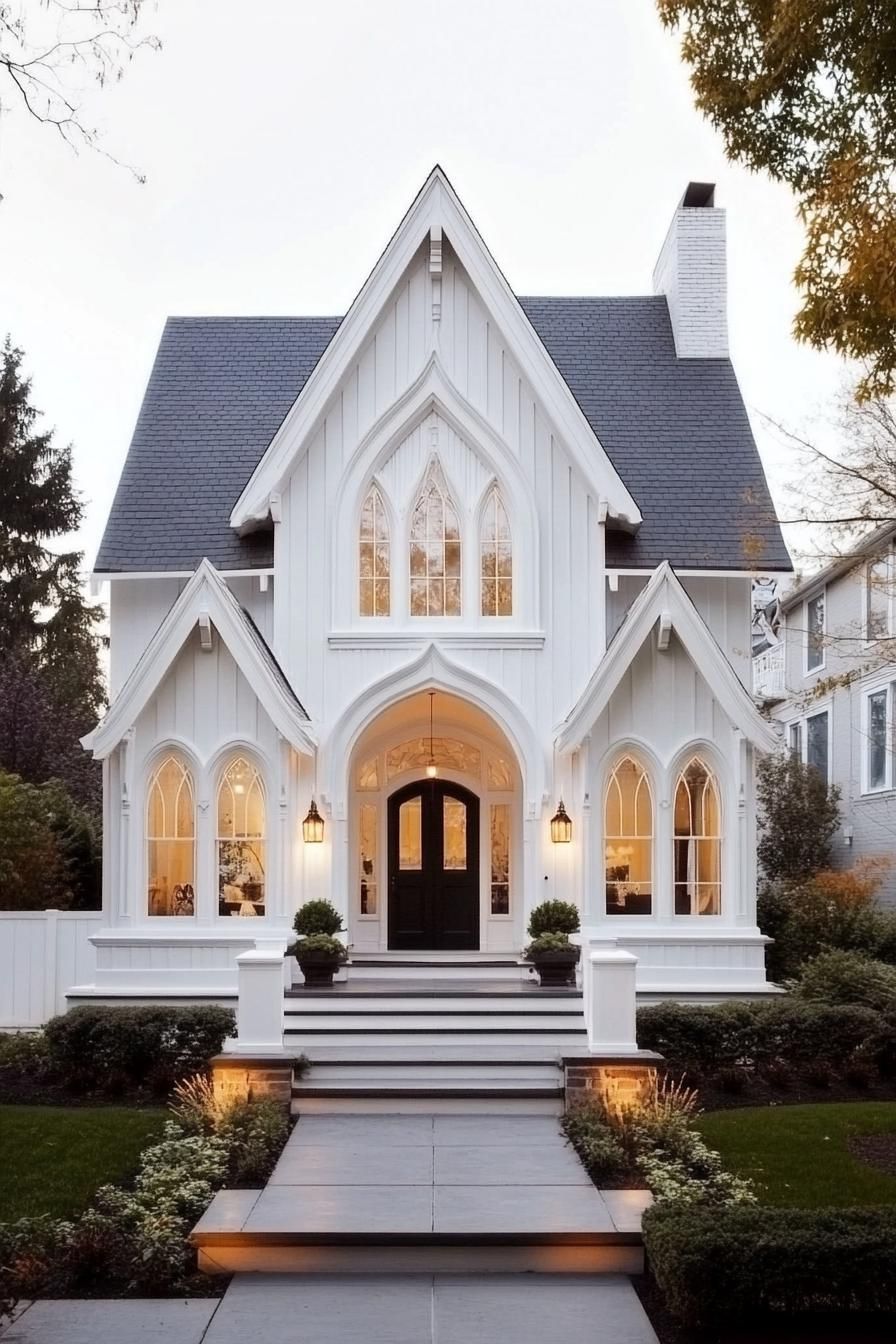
[
  {"x": 259, "y": 1012},
  {"x": 608, "y": 987}
]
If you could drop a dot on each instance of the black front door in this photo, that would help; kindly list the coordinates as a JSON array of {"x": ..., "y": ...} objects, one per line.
[{"x": 433, "y": 868}]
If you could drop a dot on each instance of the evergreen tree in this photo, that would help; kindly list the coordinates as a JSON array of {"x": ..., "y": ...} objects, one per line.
[{"x": 51, "y": 686}]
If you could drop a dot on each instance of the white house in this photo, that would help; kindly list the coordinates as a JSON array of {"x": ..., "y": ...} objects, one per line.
[{"x": 429, "y": 569}]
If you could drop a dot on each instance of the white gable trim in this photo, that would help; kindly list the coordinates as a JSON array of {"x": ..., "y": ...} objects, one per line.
[
  {"x": 437, "y": 206},
  {"x": 205, "y": 596},
  {"x": 665, "y": 602},
  {"x": 433, "y": 391}
]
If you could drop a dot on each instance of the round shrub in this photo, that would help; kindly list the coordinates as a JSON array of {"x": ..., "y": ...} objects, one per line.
[
  {"x": 839, "y": 977},
  {"x": 318, "y": 917},
  {"x": 553, "y": 917}
]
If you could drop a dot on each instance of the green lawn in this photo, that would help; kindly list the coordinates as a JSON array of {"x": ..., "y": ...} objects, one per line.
[
  {"x": 797, "y": 1155},
  {"x": 52, "y": 1158}
]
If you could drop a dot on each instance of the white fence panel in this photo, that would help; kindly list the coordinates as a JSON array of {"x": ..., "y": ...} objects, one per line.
[{"x": 42, "y": 954}]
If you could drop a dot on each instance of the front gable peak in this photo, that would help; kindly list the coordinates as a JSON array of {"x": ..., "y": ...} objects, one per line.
[{"x": 436, "y": 215}]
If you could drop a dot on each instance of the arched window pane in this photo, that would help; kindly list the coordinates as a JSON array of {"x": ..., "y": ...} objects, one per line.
[
  {"x": 373, "y": 556},
  {"x": 628, "y": 839},
  {"x": 241, "y": 840},
  {"x": 698, "y": 842},
  {"x": 434, "y": 554},
  {"x": 170, "y": 840},
  {"x": 496, "y": 559}
]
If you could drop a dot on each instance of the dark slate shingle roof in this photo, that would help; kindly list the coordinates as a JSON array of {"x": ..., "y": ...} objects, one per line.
[{"x": 676, "y": 431}]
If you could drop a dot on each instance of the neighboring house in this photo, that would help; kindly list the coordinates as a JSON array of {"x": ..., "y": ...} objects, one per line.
[
  {"x": 837, "y": 702},
  {"x": 393, "y": 595}
]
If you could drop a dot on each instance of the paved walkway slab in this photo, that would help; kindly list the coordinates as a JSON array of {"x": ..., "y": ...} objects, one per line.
[
  {"x": 139, "y": 1321},
  {"x": 425, "y": 1309}
]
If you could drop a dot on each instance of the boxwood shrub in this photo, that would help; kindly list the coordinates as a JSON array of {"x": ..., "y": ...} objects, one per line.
[
  {"x": 758, "y": 1036},
  {"x": 725, "y": 1265},
  {"x": 102, "y": 1048}
]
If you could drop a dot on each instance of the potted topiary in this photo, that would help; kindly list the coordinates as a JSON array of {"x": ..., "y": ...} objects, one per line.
[
  {"x": 318, "y": 952},
  {"x": 319, "y": 957},
  {"x": 550, "y": 951}
]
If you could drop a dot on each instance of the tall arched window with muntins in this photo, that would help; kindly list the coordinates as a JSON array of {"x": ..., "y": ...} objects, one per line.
[
  {"x": 374, "y": 556},
  {"x": 698, "y": 842},
  {"x": 434, "y": 554},
  {"x": 495, "y": 558},
  {"x": 171, "y": 840},
  {"x": 241, "y": 840},
  {"x": 628, "y": 840}
]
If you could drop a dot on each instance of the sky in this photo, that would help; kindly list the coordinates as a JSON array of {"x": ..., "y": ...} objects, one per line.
[{"x": 282, "y": 141}]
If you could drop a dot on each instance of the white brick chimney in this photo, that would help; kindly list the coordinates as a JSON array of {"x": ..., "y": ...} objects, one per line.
[{"x": 692, "y": 273}]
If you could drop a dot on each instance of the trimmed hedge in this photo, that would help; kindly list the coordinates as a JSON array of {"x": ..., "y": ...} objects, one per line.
[
  {"x": 100, "y": 1048},
  {"x": 732, "y": 1264},
  {"x": 756, "y": 1036}
]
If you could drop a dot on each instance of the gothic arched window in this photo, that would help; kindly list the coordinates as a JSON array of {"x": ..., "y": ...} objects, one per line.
[
  {"x": 373, "y": 556},
  {"x": 698, "y": 842},
  {"x": 628, "y": 840},
  {"x": 171, "y": 839},
  {"x": 495, "y": 558},
  {"x": 434, "y": 553},
  {"x": 241, "y": 840}
]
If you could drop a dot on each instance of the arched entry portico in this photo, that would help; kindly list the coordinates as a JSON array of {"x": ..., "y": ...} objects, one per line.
[{"x": 435, "y": 859}]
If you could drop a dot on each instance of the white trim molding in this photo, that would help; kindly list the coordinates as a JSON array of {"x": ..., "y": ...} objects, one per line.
[
  {"x": 436, "y": 206},
  {"x": 665, "y": 596},
  {"x": 205, "y": 594}
]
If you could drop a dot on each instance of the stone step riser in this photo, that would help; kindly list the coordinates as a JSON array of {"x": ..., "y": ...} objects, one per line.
[
  {"x": 443, "y": 1104},
  {"x": 451, "y": 1006},
  {"x": 538, "y": 1259},
  {"x": 376, "y": 1022},
  {"x": 568, "y": 1042},
  {"x": 373, "y": 1074}
]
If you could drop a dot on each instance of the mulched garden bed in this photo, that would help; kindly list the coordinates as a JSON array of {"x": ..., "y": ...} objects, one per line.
[
  {"x": 21, "y": 1089},
  {"x": 758, "y": 1092},
  {"x": 876, "y": 1150}
]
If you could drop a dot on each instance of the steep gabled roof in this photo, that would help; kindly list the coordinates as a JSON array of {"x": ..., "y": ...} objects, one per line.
[
  {"x": 664, "y": 601},
  {"x": 436, "y": 210},
  {"x": 206, "y": 594},
  {"x": 676, "y": 431}
]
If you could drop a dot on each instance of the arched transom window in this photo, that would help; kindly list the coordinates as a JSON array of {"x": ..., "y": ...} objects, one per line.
[
  {"x": 495, "y": 558},
  {"x": 241, "y": 840},
  {"x": 373, "y": 556},
  {"x": 628, "y": 840},
  {"x": 171, "y": 839},
  {"x": 434, "y": 553},
  {"x": 698, "y": 842}
]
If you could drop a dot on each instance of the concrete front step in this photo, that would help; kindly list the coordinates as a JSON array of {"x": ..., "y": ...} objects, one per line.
[
  {"x": 429, "y": 1101},
  {"x": 444, "y": 967},
  {"x": 557, "y": 1040},
  {"x": 388, "y": 1070}
]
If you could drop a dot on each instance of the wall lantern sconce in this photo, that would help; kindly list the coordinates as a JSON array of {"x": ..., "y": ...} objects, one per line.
[
  {"x": 561, "y": 826},
  {"x": 313, "y": 826}
]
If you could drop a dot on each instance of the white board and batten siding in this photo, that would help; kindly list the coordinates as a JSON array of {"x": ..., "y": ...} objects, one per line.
[{"x": 42, "y": 954}]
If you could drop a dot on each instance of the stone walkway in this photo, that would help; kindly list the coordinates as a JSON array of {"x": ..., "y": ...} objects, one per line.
[{"x": 400, "y": 1185}]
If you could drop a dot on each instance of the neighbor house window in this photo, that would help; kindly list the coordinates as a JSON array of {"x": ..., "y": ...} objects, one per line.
[
  {"x": 817, "y": 743},
  {"x": 815, "y": 633},
  {"x": 808, "y": 739},
  {"x": 878, "y": 739},
  {"x": 878, "y": 588},
  {"x": 697, "y": 842},
  {"x": 171, "y": 840},
  {"x": 373, "y": 554},
  {"x": 496, "y": 559},
  {"x": 628, "y": 840},
  {"x": 241, "y": 840},
  {"x": 434, "y": 555}
]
